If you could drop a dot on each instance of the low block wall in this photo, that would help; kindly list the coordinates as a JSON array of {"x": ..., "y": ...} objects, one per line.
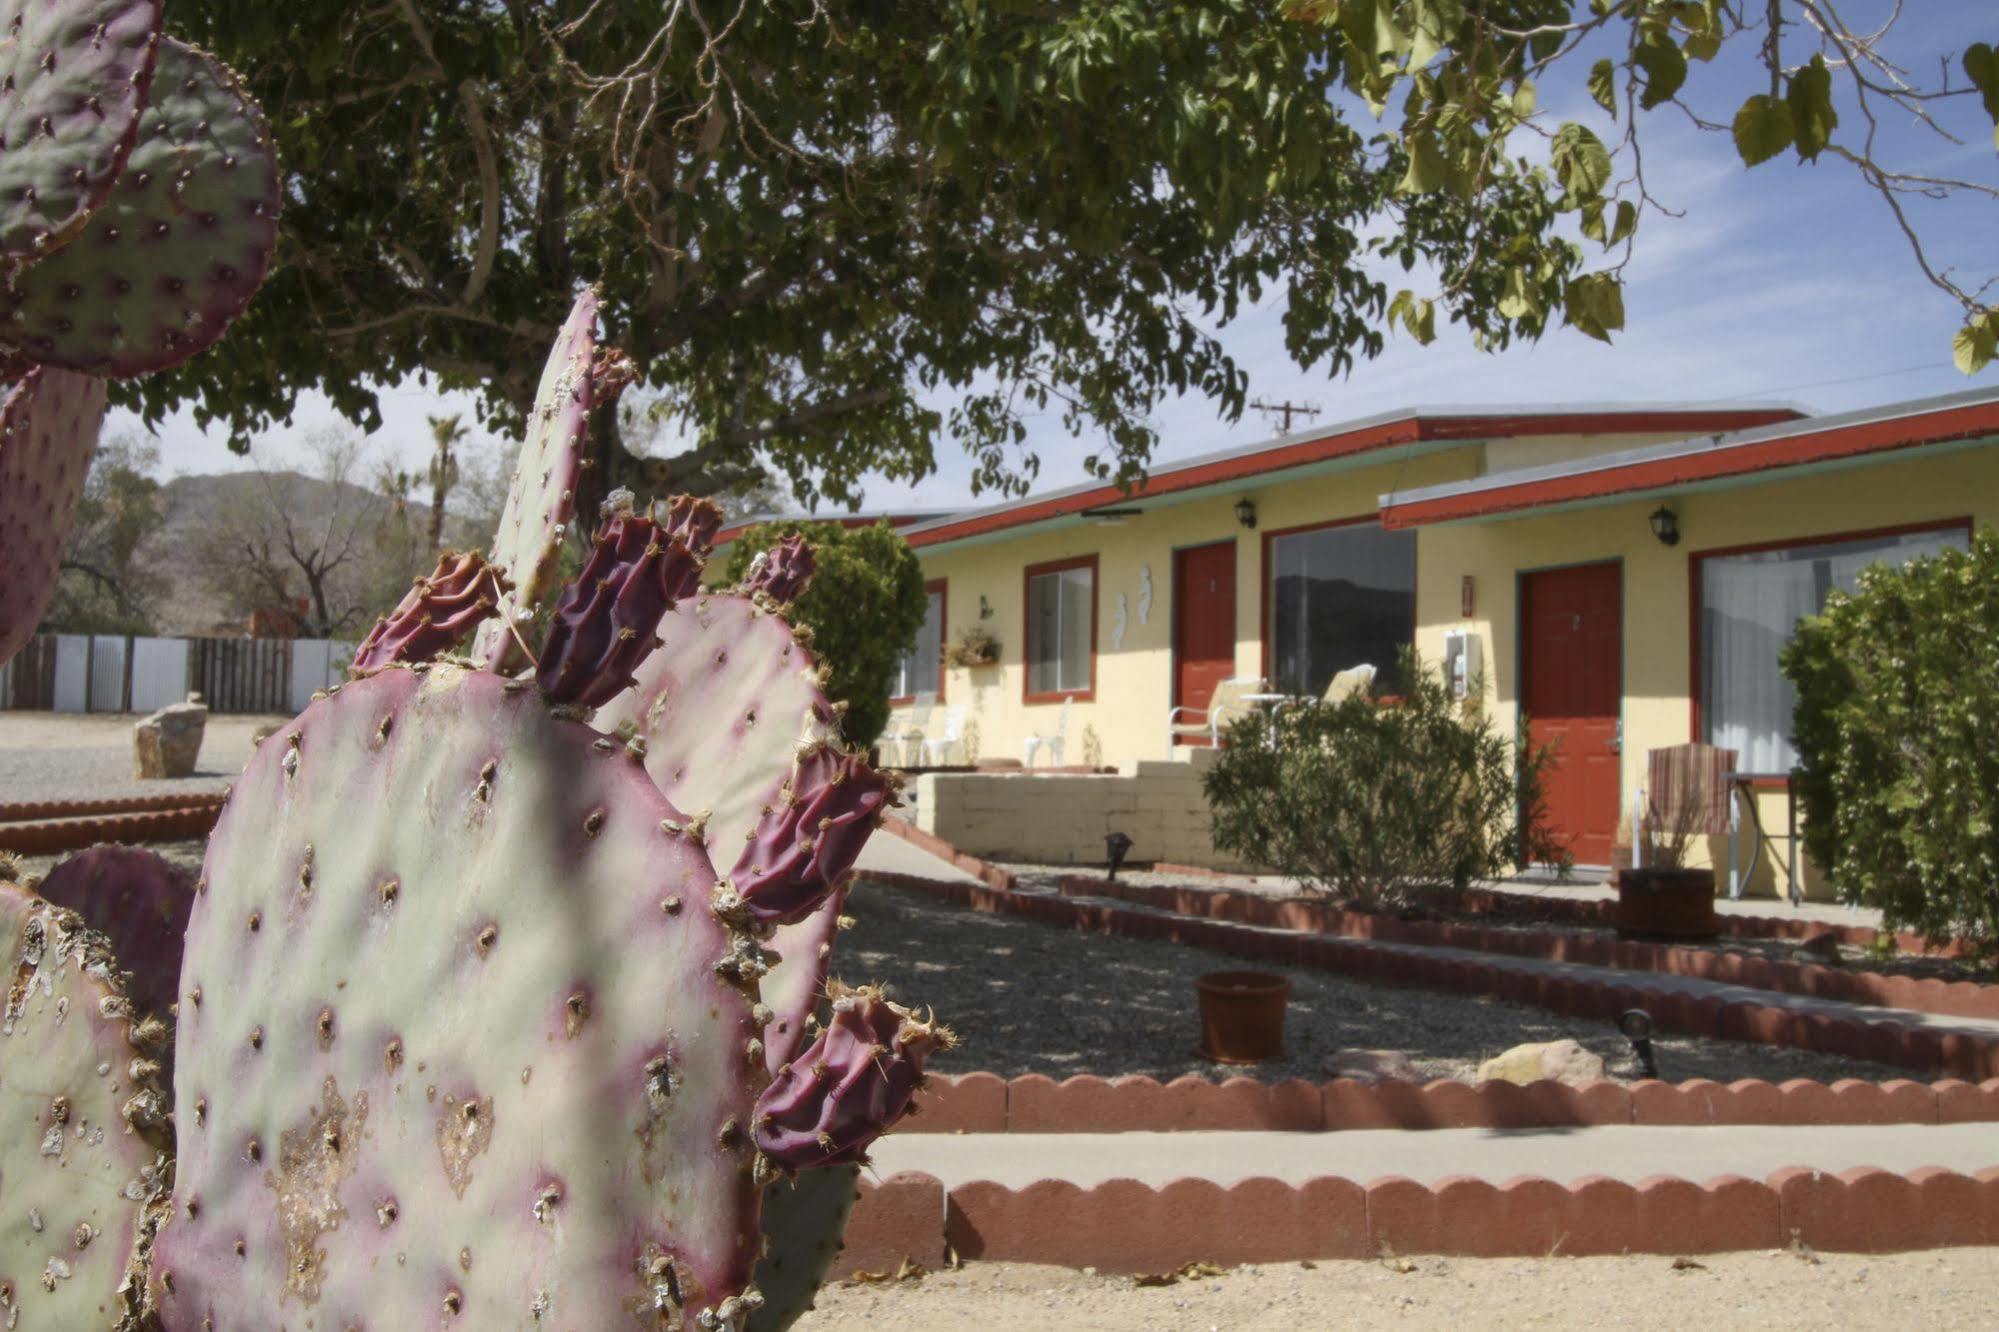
[{"x": 1062, "y": 819}]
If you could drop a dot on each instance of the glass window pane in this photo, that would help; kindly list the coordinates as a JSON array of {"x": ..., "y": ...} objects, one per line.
[
  {"x": 916, "y": 672},
  {"x": 1750, "y": 603},
  {"x": 1073, "y": 665},
  {"x": 1340, "y": 597},
  {"x": 1059, "y": 608}
]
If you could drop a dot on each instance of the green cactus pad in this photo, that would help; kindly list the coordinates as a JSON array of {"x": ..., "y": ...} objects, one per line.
[
  {"x": 48, "y": 430},
  {"x": 542, "y": 499},
  {"x": 82, "y": 1127},
  {"x": 178, "y": 248},
  {"x": 461, "y": 1044},
  {"x": 804, "y": 1218},
  {"x": 73, "y": 79}
]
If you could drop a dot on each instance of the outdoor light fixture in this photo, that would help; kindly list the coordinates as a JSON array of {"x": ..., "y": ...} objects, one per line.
[
  {"x": 985, "y": 610},
  {"x": 1111, "y": 517},
  {"x": 1115, "y": 846},
  {"x": 1666, "y": 526},
  {"x": 1636, "y": 1024},
  {"x": 1245, "y": 512}
]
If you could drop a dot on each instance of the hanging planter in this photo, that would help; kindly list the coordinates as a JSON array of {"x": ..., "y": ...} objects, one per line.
[{"x": 1242, "y": 1016}]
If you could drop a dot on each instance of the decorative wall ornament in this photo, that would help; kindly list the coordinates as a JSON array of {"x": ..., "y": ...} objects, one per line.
[
  {"x": 1144, "y": 593},
  {"x": 1122, "y": 619}
]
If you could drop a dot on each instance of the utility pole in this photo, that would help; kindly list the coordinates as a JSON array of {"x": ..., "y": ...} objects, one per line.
[{"x": 1286, "y": 409}]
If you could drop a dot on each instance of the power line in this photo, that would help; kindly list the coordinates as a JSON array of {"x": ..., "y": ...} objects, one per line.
[{"x": 1849, "y": 379}]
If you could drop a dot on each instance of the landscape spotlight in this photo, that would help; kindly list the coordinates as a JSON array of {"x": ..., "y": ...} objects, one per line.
[
  {"x": 1115, "y": 846},
  {"x": 1636, "y": 1024}
]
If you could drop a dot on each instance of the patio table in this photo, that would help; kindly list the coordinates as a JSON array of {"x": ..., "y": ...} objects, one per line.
[{"x": 1745, "y": 784}]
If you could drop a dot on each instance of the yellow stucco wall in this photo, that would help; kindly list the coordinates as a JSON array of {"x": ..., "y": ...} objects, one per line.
[{"x": 1657, "y": 626}]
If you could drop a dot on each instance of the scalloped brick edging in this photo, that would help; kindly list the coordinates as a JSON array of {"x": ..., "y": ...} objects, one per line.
[
  {"x": 1945, "y": 998},
  {"x": 36, "y": 810},
  {"x": 53, "y": 835},
  {"x": 1086, "y": 1103},
  {"x": 1125, "y": 1226},
  {"x": 1958, "y": 1054}
]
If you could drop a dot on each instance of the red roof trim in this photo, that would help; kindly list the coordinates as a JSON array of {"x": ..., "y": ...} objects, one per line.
[
  {"x": 1343, "y": 444},
  {"x": 1938, "y": 427}
]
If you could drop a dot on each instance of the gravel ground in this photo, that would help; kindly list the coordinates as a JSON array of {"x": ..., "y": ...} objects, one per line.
[
  {"x": 1943, "y": 1288},
  {"x": 1027, "y": 998}
]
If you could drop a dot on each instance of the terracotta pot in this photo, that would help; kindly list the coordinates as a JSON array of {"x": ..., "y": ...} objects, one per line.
[
  {"x": 1666, "y": 903},
  {"x": 1242, "y": 1016}
]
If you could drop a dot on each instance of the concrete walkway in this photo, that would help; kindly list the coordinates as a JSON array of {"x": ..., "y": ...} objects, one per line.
[
  {"x": 1629, "y": 1153},
  {"x": 889, "y": 854}
]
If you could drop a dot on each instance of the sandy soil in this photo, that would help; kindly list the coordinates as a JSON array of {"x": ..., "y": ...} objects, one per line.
[
  {"x": 1945, "y": 1288},
  {"x": 57, "y": 756}
]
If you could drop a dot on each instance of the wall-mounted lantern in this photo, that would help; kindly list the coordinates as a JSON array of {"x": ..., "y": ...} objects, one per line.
[
  {"x": 1665, "y": 526},
  {"x": 1245, "y": 512}
]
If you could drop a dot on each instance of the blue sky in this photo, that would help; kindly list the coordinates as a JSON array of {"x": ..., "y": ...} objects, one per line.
[{"x": 1787, "y": 282}]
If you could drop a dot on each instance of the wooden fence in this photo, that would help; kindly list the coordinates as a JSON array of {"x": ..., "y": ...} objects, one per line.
[
  {"x": 110, "y": 673},
  {"x": 241, "y": 674}
]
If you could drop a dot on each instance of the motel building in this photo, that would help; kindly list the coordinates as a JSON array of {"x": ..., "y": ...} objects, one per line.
[{"x": 1626, "y": 575}]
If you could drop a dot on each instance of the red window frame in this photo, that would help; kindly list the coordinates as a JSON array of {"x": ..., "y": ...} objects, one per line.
[
  {"x": 1028, "y": 575},
  {"x": 942, "y": 588},
  {"x": 1697, "y": 560}
]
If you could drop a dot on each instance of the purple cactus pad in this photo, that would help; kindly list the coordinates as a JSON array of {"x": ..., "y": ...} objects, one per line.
[
  {"x": 607, "y": 620},
  {"x": 435, "y": 615},
  {"x": 137, "y": 899},
  {"x": 692, "y": 521},
  {"x": 810, "y": 835},
  {"x": 827, "y": 1106},
  {"x": 48, "y": 430},
  {"x": 782, "y": 572}
]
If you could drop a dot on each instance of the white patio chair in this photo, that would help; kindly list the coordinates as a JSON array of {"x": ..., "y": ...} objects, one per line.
[
  {"x": 937, "y": 749},
  {"x": 1343, "y": 686},
  {"x": 915, "y": 728},
  {"x": 1053, "y": 742},
  {"x": 1227, "y": 704}
]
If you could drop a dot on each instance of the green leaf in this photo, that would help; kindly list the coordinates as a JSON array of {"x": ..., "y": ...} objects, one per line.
[
  {"x": 1626, "y": 223},
  {"x": 1580, "y": 160},
  {"x": 1976, "y": 344},
  {"x": 1981, "y": 66},
  {"x": 1603, "y": 85},
  {"x": 1813, "y": 118},
  {"x": 1595, "y": 305},
  {"x": 1428, "y": 171},
  {"x": 1665, "y": 68},
  {"x": 1762, "y": 129}
]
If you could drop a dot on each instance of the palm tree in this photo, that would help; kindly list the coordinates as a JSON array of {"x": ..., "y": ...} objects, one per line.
[{"x": 445, "y": 431}]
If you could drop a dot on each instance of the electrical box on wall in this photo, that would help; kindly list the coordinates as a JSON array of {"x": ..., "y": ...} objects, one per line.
[{"x": 1461, "y": 661}]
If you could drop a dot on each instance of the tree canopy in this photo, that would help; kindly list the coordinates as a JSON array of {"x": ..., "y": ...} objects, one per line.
[{"x": 831, "y": 233}]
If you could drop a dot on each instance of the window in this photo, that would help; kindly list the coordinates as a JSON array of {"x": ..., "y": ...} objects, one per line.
[
  {"x": 1340, "y": 596},
  {"x": 921, "y": 670},
  {"x": 1062, "y": 629},
  {"x": 1749, "y": 603}
]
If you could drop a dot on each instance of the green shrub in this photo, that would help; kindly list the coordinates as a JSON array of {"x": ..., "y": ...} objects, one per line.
[
  {"x": 1897, "y": 729},
  {"x": 1368, "y": 800},
  {"x": 864, "y": 608}
]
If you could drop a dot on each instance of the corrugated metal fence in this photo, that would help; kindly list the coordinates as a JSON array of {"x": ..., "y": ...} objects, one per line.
[{"x": 110, "y": 673}]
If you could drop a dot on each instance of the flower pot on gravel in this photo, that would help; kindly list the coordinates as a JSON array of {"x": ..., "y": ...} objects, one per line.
[
  {"x": 1242, "y": 1016},
  {"x": 1665, "y": 903}
]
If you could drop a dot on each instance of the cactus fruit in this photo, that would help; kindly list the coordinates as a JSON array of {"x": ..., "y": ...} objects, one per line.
[
  {"x": 48, "y": 430},
  {"x": 139, "y": 901},
  {"x": 471, "y": 1052},
  {"x": 605, "y": 622},
  {"x": 803, "y": 1219},
  {"x": 848, "y": 1087},
  {"x": 692, "y": 521},
  {"x": 73, "y": 80},
  {"x": 435, "y": 615},
  {"x": 542, "y": 498},
  {"x": 781, "y": 572},
  {"x": 179, "y": 246},
  {"x": 810, "y": 835},
  {"x": 82, "y": 1127}
]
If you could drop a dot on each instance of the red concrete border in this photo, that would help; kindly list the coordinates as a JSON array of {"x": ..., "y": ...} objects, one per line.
[
  {"x": 1945, "y": 998},
  {"x": 1035, "y": 1103},
  {"x": 52, "y": 835},
  {"x": 36, "y": 810},
  {"x": 1123, "y": 1226},
  {"x": 1955, "y": 1054}
]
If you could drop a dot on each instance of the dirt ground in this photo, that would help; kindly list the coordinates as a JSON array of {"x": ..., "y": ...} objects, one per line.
[
  {"x": 1944, "y": 1288},
  {"x": 59, "y": 756}
]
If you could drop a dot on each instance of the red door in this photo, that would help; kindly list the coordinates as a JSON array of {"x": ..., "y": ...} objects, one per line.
[
  {"x": 1573, "y": 668},
  {"x": 1203, "y": 621}
]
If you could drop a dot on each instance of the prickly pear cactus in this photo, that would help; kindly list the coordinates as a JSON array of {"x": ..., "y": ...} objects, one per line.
[
  {"x": 542, "y": 500},
  {"x": 48, "y": 430},
  {"x": 728, "y": 707},
  {"x": 82, "y": 1127},
  {"x": 605, "y": 621},
  {"x": 73, "y": 79},
  {"x": 178, "y": 248},
  {"x": 803, "y": 1219},
  {"x": 461, "y": 1043},
  {"x": 139, "y": 901},
  {"x": 437, "y": 614}
]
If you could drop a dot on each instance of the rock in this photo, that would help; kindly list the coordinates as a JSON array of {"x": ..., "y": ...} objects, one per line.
[
  {"x": 1369, "y": 1066},
  {"x": 1558, "y": 1061},
  {"x": 167, "y": 743},
  {"x": 1822, "y": 948}
]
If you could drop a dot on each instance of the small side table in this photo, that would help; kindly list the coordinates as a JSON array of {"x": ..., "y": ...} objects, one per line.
[{"x": 1744, "y": 785}]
